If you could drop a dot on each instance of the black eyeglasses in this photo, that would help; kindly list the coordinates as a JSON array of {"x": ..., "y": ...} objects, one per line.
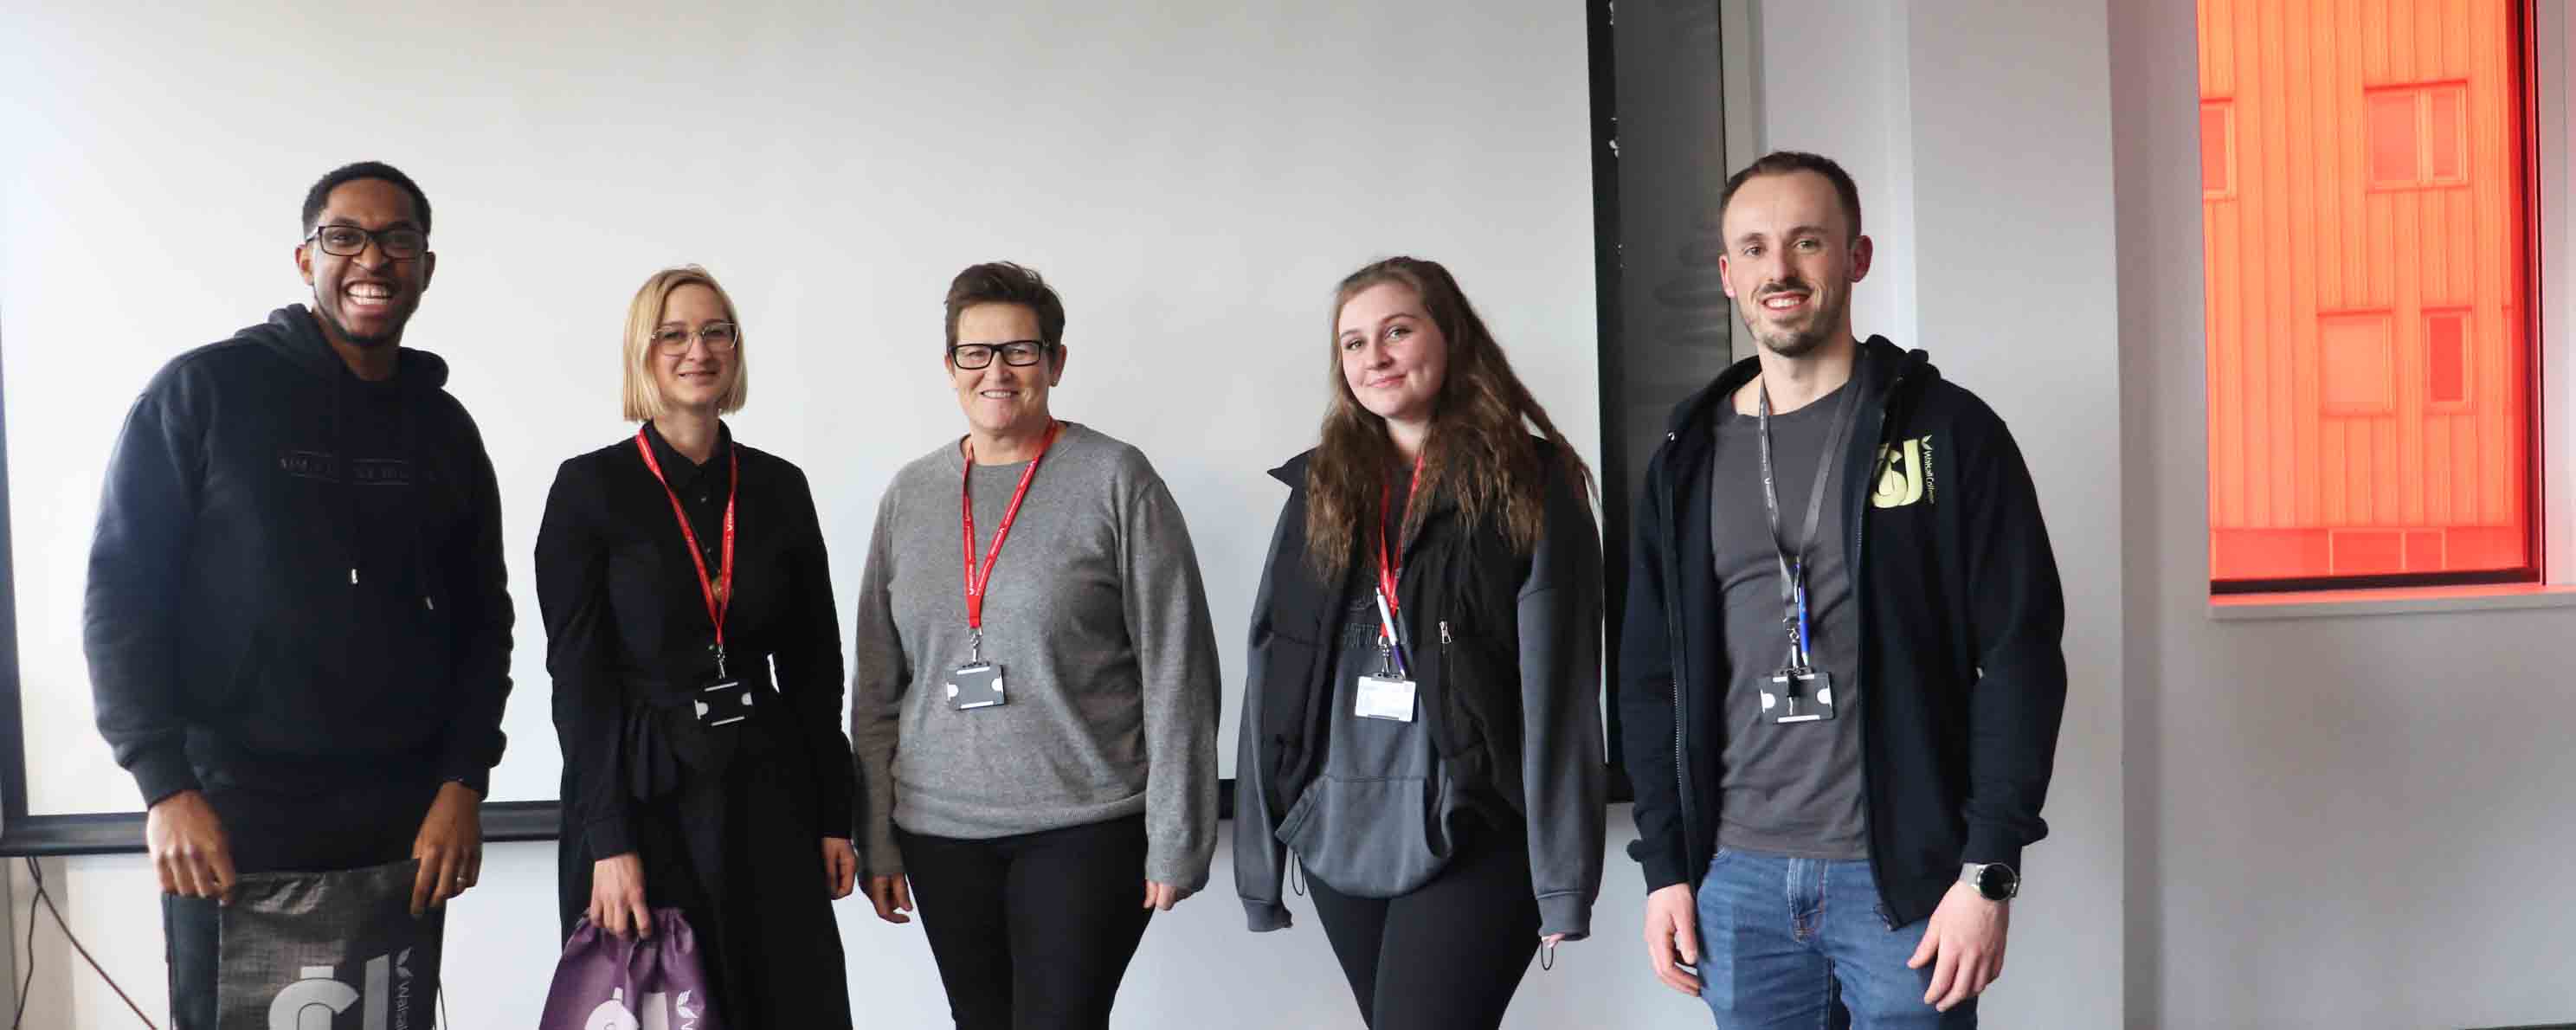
[
  {"x": 400, "y": 244},
  {"x": 1015, "y": 353},
  {"x": 673, "y": 341}
]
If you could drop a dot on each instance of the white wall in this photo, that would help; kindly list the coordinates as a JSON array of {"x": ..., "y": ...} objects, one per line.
[
  {"x": 1833, "y": 81},
  {"x": 2334, "y": 822}
]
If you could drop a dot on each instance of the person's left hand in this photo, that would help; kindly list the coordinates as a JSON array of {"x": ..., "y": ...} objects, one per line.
[
  {"x": 1965, "y": 945},
  {"x": 1162, "y": 896},
  {"x": 840, "y": 867},
  {"x": 449, "y": 847}
]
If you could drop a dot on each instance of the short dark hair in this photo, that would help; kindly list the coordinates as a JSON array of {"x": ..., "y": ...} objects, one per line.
[
  {"x": 320, "y": 194},
  {"x": 1784, "y": 162},
  {"x": 1001, "y": 282}
]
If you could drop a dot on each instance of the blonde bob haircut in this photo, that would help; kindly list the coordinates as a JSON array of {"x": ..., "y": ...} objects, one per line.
[{"x": 643, "y": 395}]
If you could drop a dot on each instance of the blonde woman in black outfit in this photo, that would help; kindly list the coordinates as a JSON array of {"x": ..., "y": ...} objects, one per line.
[
  {"x": 672, "y": 561},
  {"x": 1422, "y": 725}
]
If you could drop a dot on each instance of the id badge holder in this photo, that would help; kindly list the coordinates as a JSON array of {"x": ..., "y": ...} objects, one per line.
[
  {"x": 976, "y": 684},
  {"x": 723, "y": 702},
  {"x": 1384, "y": 696},
  {"x": 1799, "y": 694}
]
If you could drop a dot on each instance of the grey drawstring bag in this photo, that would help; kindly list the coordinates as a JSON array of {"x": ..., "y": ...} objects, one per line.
[
  {"x": 328, "y": 951},
  {"x": 607, "y": 982}
]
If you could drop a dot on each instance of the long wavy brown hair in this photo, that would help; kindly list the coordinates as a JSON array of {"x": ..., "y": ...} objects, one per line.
[{"x": 1479, "y": 453}]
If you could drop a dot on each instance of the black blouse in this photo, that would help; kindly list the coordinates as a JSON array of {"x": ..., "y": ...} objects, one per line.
[{"x": 628, "y": 641}]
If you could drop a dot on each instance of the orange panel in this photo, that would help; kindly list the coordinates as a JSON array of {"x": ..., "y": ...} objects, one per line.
[
  {"x": 2360, "y": 364},
  {"x": 2217, "y": 150},
  {"x": 2392, "y": 139},
  {"x": 2366, "y": 240},
  {"x": 2446, "y": 359}
]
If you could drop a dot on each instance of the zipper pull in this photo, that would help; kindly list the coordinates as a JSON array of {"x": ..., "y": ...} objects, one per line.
[
  {"x": 353, "y": 575},
  {"x": 1444, "y": 632},
  {"x": 429, "y": 602}
]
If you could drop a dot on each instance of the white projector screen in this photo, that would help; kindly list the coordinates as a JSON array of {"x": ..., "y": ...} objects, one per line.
[{"x": 1192, "y": 177}]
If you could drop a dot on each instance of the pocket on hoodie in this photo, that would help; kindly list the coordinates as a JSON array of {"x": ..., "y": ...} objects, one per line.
[{"x": 1366, "y": 837}]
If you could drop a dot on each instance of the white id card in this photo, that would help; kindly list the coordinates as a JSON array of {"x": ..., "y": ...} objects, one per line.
[{"x": 1384, "y": 697}]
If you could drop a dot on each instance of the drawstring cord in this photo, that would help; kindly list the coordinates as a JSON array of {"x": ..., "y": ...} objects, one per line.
[{"x": 353, "y": 543}]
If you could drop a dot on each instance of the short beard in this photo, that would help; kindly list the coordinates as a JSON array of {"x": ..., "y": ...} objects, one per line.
[
  {"x": 1790, "y": 345},
  {"x": 369, "y": 342},
  {"x": 1797, "y": 343}
]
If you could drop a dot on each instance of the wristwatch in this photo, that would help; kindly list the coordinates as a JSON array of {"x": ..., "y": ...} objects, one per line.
[{"x": 1994, "y": 881}]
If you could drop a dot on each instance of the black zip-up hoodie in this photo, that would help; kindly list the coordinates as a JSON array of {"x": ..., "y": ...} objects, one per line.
[
  {"x": 258, "y": 614},
  {"x": 1960, "y": 615}
]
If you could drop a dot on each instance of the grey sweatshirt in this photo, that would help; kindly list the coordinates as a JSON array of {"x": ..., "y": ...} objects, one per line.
[
  {"x": 1098, "y": 617},
  {"x": 1374, "y": 821}
]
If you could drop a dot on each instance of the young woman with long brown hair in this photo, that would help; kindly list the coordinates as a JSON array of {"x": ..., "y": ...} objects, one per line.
[{"x": 1422, "y": 726}]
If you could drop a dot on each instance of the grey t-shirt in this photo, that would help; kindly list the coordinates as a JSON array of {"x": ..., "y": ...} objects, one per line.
[{"x": 1790, "y": 789}]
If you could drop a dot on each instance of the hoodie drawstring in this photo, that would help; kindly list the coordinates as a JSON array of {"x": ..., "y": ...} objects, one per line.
[{"x": 353, "y": 543}]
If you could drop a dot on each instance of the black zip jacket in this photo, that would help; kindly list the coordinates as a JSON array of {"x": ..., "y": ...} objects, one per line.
[
  {"x": 1960, "y": 616},
  {"x": 297, "y": 581},
  {"x": 1505, "y": 647}
]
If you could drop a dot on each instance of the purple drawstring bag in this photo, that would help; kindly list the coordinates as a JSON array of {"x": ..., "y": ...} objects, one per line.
[{"x": 606, "y": 982}]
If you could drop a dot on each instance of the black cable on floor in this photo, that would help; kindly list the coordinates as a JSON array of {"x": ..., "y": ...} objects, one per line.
[
  {"x": 28, "y": 985},
  {"x": 47, "y": 898}
]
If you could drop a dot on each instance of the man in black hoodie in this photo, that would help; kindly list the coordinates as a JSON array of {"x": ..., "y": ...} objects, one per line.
[
  {"x": 297, "y": 624},
  {"x": 1840, "y": 671}
]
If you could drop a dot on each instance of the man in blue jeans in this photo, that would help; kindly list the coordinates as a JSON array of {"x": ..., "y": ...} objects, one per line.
[{"x": 1840, "y": 670}]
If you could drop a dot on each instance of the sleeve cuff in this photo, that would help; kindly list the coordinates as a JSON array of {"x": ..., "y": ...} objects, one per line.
[
  {"x": 1662, "y": 861},
  {"x": 479, "y": 780},
  {"x": 163, "y": 773},
  {"x": 1188, "y": 876},
  {"x": 878, "y": 855},
  {"x": 1264, "y": 916},
  {"x": 609, "y": 837},
  {"x": 1567, "y": 914},
  {"x": 1991, "y": 844}
]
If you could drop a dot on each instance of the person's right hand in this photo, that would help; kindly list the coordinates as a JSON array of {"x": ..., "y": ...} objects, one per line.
[
  {"x": 188, "y": 847},
  {"x": 617, "y": 895},
  {"x": 892, "y": 895},
  {"x": 1672, "y": 931}
]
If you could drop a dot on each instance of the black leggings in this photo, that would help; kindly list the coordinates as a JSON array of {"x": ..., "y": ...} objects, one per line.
[
  {"x": 1446, "y": 956},
  {"x": 1033, "y": 931}
]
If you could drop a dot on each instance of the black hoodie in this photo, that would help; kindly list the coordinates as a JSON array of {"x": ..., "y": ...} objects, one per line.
[
  {"x": 297, "y": 580},
  {"x": 1960, "y": 615}
]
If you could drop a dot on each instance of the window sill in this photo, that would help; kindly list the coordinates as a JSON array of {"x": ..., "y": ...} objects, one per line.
[{"x": 2402, "y": 601}]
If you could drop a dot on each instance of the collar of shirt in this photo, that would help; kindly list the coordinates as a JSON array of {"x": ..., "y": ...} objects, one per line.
[{"x": 677, "y": 469}]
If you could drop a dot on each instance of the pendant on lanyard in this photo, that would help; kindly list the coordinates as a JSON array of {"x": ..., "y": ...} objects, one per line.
[
  {"x": 724, "y": 700},
  {"x": 978, "y": 683},
  {"x": 1804, "y": 693},
  {"x": 1389, "y": 694}
]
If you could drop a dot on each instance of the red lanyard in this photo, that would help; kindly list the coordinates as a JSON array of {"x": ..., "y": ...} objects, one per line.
[
  {"x": 718, "y": 591},
  {"x": 976, "y": 581},
  {"x": 1388, "y": 572}
]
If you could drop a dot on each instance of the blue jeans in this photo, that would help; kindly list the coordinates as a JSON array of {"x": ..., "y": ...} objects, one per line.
[{"x": 1803, "y": 943}]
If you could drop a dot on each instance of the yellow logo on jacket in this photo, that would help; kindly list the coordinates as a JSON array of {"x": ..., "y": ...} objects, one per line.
[{"x": 1904, "y": 473}]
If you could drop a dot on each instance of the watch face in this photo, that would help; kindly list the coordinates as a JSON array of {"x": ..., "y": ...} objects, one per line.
[{"x": 1997, "y": 881}]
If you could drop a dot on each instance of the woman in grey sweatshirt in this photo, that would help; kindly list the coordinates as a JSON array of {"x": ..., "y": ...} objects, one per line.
[
  {"x": 1422, "y": 723},
  {"x": 1035, "y": 698}
]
